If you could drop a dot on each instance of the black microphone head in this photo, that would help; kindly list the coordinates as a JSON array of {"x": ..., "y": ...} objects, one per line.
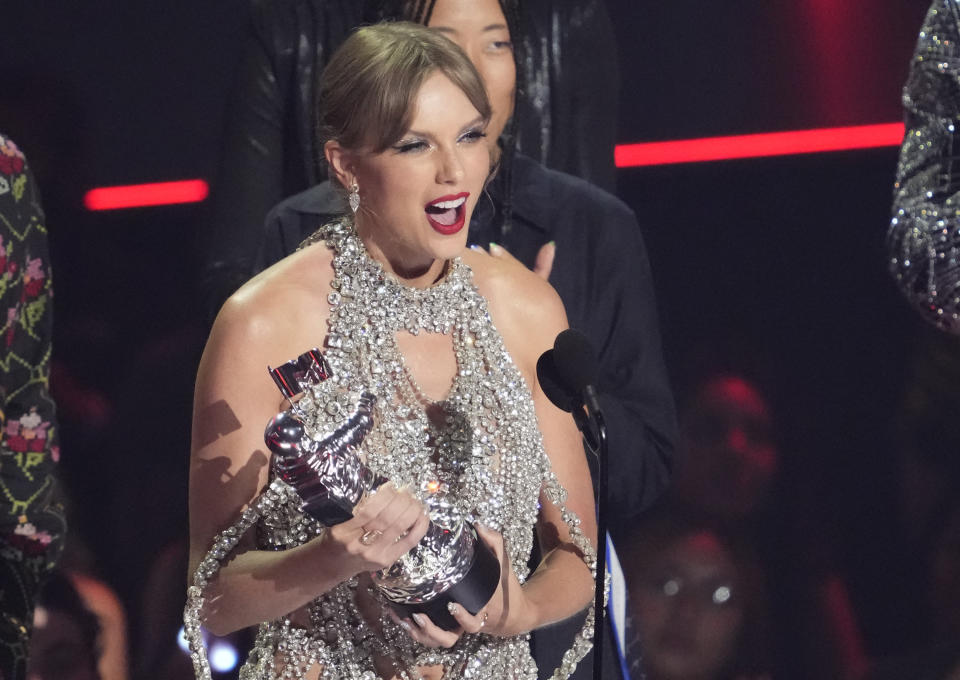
[
  {"x": 552, "y": 384},
  {"x": 575, "y": 361}
]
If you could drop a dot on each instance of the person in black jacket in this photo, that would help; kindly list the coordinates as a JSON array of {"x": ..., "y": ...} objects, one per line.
[{"x": 566, "y": 111}]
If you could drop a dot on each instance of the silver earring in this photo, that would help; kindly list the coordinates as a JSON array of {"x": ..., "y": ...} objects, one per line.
[{"x": 354, "y": 197}]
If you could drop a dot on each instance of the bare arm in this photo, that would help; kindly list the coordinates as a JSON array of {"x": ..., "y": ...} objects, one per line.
[
  {"x": 233, "y": 400},
  {"x": 529, "y": 323}
]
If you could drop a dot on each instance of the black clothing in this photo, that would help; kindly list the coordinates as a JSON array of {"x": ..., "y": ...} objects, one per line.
[
  {"x": 566, "y": 112},
  {"x": 603, "y": 276}
]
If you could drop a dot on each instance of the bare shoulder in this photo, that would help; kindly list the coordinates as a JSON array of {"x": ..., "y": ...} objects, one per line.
[
  {"x": 282, "y": 306},
  {"x": 525, "y": 309}
]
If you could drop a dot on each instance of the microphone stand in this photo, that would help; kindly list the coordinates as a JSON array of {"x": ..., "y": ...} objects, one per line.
[{"x": 594, "y": 431}]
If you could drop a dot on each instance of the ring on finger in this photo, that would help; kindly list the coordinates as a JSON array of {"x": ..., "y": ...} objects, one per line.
[
  {"x": 402, "y": 536},
  {"x": 483, "y": 619},
  {"x": 370, "y": 537}
]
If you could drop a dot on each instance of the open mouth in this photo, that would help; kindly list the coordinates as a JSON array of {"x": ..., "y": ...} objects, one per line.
[{"x": 447, "y": 214}]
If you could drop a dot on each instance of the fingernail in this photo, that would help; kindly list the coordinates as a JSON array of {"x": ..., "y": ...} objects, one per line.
[
  {"x": 476, "y": 247},
  {"x": 495, "y": 249},
  {"x": 552, "y": 243},
  {"x": 420, "y": 619},
  {"x": 405, "y": 625},
  {"x": 453, "y": 608}
]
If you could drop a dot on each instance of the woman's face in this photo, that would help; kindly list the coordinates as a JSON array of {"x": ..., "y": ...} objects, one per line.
[
  {"x": 418, "y": 195},
  {"x": 728, "y": 456},
  {"x": 480, "y": 29},
  {"x": 687, "y": 609}
]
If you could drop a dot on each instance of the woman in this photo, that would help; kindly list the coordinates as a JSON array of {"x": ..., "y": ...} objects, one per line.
[
  {"x": 448, "y": 340},
  {"x": 697, "y": 601}
]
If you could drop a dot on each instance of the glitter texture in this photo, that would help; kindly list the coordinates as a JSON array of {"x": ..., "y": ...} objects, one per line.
[
  {"x": 481, "y": 444},
  {"x": 924, "y": 235}
]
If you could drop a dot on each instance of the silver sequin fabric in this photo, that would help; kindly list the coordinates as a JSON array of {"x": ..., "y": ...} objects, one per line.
[
  {"x": 480, "y": 445},
  {"x": 924, "y": 235}
]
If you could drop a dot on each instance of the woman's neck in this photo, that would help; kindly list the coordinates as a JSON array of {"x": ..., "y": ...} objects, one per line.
[{"x": 409, "y": 271}]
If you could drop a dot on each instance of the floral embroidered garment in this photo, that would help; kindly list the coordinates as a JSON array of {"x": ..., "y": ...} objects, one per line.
[{"x": 31, "y": 518}]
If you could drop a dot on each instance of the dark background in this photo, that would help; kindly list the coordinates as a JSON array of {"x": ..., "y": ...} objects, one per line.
[{"x": 775, "y": 266}]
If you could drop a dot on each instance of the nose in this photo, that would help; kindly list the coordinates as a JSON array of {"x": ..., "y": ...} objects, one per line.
[{"x": 449, "y": 167}]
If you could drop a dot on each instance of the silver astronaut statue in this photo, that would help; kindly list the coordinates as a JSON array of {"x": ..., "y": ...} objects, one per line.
[{"x": 450, "y": 564}]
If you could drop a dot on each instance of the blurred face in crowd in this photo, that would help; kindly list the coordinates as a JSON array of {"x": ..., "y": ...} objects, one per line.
[
  {"x": 728, "y": 459},
  {"x": 58, "y": 650},
  {"x": 480, "y": 29},
  {"x": 688, "y": 609}
]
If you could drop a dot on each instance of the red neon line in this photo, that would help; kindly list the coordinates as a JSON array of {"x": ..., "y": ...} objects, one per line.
[
  {"x": 759, "y": 145},
  {"x": 142, "y": 195},
  {"x": 626, "y": 156}
]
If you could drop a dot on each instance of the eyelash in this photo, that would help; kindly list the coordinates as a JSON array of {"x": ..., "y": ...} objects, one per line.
[
  {"x": 407, "y": 147},
  {"x": 418, "y": 145},
  {"x": 473, "y": 135}
]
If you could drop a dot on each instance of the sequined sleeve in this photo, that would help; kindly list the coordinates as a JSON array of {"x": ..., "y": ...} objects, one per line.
[
  {"x": 924, "y": 236},
  {"x": 31, "y": 517}
]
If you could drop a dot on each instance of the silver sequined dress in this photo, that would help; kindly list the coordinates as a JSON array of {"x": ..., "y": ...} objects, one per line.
[
  {"x": 924, "y": 235},
  {"x": 481, "y": 444}
]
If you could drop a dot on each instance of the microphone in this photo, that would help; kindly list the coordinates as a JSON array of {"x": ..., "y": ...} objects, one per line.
[{"x": 568, "y": 376}]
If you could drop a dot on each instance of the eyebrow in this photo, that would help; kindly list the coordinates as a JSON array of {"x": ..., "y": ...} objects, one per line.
[{"x": 485, "y": 29}]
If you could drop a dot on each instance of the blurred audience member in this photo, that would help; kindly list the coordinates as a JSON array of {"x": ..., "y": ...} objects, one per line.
[
  {"x": 66, "y": 633},
  {"x": 730, "y": 469},
  {"x": 928, "y": 575},
  {"x": 101, "y": 600},
  {"x": 938, "y": 657},
  {"x": 32, "y": 523},
  {"x": 727, "y": 460},
  {"x": 697, "y": 602}
]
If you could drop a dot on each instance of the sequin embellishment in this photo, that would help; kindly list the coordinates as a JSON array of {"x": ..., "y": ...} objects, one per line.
[{"x": 481, "y": 443}]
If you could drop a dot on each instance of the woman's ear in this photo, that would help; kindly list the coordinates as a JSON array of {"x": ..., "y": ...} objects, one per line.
[{"x": 341, "y": 163}]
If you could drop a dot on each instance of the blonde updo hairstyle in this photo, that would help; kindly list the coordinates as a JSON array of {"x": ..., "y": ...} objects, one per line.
[{"x": 368, "y": 90}]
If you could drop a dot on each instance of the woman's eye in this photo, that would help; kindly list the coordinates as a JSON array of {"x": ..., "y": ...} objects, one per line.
[
  {"x": 498, "y": 45},
  {"x": 473, "y": 135},
  {"x": 407, "y": 147}
]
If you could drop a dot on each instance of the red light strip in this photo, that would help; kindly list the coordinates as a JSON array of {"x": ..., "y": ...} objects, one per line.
[
  {"x": 143, "y": 195},
  {"x": 625, "y": 156},
  {"x": 759, "y": 145}
]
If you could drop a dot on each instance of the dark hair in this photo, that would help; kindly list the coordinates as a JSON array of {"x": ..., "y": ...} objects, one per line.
[
  {"x": 367, "y": 92},
  {"x": 665, "y": 525}
]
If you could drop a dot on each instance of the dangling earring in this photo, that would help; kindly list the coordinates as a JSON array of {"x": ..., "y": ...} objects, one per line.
[{"x": 354, "y": 197}]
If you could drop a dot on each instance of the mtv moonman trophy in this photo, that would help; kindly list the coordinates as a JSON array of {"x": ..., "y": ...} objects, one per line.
[{"x": 450, "y": 564}]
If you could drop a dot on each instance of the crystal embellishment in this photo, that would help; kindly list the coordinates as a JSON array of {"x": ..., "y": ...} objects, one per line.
[{"x": 480, "y": 444}]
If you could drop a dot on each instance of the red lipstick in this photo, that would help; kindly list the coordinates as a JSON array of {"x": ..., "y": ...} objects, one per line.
[{"x": 448, "y": 214}]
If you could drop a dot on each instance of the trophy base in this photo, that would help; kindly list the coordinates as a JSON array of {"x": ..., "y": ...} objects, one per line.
[{"x": 472, "y": 592}]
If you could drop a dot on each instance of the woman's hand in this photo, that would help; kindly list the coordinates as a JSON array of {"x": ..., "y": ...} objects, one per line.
[
  {"x": 507, "y": 613},
  {"x": 384, "y": 527}
]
